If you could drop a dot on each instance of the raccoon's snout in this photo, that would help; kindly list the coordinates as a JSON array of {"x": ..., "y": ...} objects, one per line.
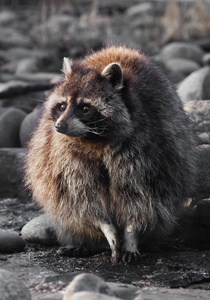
[{"x": 61, "y": 127}]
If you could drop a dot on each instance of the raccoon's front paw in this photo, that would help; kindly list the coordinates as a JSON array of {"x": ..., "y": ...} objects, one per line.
[
  {"x": 72, "y": 251},
  {"x": 131, "y": 256}
]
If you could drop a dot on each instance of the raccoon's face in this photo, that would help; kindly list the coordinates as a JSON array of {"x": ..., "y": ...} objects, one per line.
[{"x": 89, "y": 104}]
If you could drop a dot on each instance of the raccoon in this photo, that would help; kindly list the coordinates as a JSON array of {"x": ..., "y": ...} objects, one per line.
[{"x": 113, "y": 154}]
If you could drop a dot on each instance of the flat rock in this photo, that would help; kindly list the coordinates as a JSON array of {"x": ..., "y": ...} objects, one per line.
[
  {"x": 12, "y": 288},
  {"x": 196, "y": 86},
  {"x": 10, "y": 242},
  {"x": 11, "y": 173},
  {"x": 40, "y": 230},
  {"x": 87, "y": 282},
  {"x": 182, "y": 50}
]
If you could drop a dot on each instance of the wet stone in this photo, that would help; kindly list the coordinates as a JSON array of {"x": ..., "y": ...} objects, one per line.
[
  {"x": 11, "y": 287},
  {"x": 10, "y": 242}
]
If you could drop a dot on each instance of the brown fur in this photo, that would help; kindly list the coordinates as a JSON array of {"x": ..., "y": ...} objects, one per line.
[{"x": 128, "y": 179}]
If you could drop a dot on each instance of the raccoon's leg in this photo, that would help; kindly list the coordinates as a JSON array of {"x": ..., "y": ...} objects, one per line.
[
  {"x": 130, "y": 245},
  {"x": 112, "y": 237}
]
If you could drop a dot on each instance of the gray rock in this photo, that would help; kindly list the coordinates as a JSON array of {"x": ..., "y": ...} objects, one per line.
[
  {"x": 7, "y": 17},
  {"x": 40, "y": 77},
  {"x": 203, "y": 181},
  {"x": 182, "y": 50},
  {"x": 28, "y": 125},
  {"x": 52, "y": 297},
  {"x": 26, "y": 65},
  {"x": 40, "y": 230},
  {"x": 11, "y": 173},
  {"x": 10, "y": 242},
  {"x": 139, "y": 9},
  {"x": 166, "y": 294},
  {"x": 196, "y": 86},
  {"x": 87, "y": 282},
  {"x": 11, "y": 38},
  {"x": 11, "y": 287},
  {"x": 89, "y": 296},
  {"x": 181, "y": 65},
  {"x": 10, "y": 121},
  {"x": 199, "y": 114}
]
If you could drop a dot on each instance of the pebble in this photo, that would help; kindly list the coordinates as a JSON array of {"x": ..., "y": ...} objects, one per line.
[
  {"x": 10, "y": 242},
  {"x": 11, "y": 287},
  {"x": 196, "y": 86},
  {"x": 87, "y": 282},
  {"x": 10, "y": 122},
  {"x": 40, "y": 230}
]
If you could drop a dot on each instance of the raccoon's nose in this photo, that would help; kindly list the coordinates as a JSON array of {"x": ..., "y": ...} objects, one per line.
[{"x": 61, "y": 127}]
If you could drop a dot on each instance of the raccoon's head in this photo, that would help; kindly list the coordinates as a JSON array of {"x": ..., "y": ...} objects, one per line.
[{"x": 89, "y": 103}]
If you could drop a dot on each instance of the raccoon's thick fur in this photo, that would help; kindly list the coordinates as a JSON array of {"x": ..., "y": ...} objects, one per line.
[{"x": 113, "y": 154}]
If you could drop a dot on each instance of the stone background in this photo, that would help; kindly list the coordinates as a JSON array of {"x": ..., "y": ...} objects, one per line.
[{"x": 34, "y": 38}]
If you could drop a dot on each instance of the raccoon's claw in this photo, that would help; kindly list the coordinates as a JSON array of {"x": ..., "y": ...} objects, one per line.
[
  {"x": 72, "y": 252},
  {"x": 129, "y": 257},
  {"x": 115, "y": 257}
]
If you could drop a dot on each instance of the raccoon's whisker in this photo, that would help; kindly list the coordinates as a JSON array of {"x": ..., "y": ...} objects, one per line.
[{"x": 94, "y": 122}]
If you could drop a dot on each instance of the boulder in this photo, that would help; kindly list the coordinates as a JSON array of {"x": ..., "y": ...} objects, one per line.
[
  {"x": 182, "y": 50},
  {"x": 181, "y": 65},
  {"x": 29, "y": 123},
  {"x": 199, "y": 114},
  {"x": 10, "y": 122},
  {"x": 196, "y": 86},
  {"x": 11, "y": 173}
]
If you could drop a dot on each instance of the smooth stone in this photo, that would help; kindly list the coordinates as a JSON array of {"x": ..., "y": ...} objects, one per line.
[
  {"x": 181, "y": 65},
  {"x": 10, "y": 122},
  {"x": 87, "y": 282},
  {"x": 196, "y": 86},
  {"x": 39, "y": 230},
  {"x": 11, "y": 287},
  {"x": 28, "y": 125},
  {"x": 182, "y": 50},
  {"x": 10, "y": 242},
  {"x": 52, "y": 297},
  {"x": 89, "y": 296},
  {"x": 26, "y": 65}
]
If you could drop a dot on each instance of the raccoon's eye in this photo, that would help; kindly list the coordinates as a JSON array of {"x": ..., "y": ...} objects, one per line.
[
  {"x": 86, "y": 108},
  {"x": 62, "y": 107}
]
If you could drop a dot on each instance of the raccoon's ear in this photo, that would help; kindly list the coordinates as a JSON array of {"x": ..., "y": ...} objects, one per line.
[
  {"x": 114, "y": 74},
  {"x": 67, "y": 67}
]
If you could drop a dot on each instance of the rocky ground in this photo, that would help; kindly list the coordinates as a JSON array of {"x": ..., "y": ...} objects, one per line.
[{"x": 33, "y": 41}]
